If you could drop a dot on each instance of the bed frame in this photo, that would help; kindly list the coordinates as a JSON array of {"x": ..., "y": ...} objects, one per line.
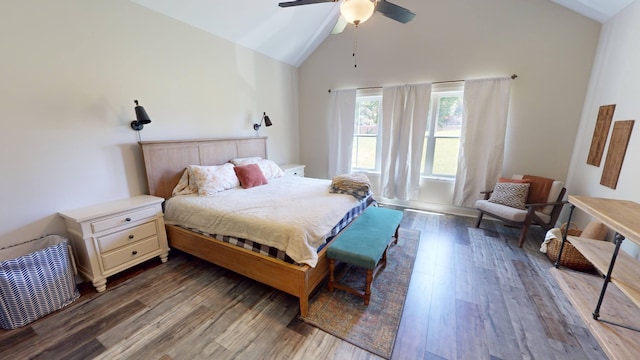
[{"x": 165, "y": 162}]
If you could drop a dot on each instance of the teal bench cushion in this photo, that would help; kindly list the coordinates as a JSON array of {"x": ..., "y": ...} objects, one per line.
[{"x": 366, "y": 239}]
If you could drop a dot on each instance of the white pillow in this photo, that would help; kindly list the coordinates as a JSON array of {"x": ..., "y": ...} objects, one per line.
[
  {"x": 510, "y": 194},
  {"x": 270, "y": 169},
  {"x": 186, "y": 185},
  {"x": 245, "y": 160},
  {"x": 213, "y": 179}
]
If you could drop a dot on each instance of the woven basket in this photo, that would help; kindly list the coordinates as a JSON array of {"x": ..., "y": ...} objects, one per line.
[{"x": 571, "y": 257}]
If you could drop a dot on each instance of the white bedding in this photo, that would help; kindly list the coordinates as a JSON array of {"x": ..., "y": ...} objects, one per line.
[{"x": 291, "y": 213}]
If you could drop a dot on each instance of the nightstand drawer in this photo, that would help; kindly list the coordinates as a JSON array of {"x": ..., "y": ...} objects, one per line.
[
  {"x": 293, "y": 169},
  {"x": 299, "y": 172},
  {"x": 127, "y": 236},
  {"x": 122, "y": 219},
  {"x": 129, "y": 253}
]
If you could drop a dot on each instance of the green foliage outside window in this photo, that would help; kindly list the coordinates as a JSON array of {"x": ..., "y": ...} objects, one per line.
[
  {"x": 368, "y": 112},
  {"x": 450, "y": 111},
  {"x": 443, "y": 158}
]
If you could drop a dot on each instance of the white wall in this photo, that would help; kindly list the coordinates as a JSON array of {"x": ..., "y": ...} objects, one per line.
[
  {"x": 615, "y": 79},
  {"x": 70, "y": 70},
  {"x": 549, "y": 47}
]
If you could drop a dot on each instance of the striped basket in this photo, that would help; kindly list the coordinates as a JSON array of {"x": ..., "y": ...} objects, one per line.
[{"x": 36, "y": 284}]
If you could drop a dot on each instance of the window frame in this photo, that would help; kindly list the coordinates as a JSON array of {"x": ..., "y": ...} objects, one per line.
[
  {"x": 360, "y": 94},
  {"x": 437, "y": 92}
]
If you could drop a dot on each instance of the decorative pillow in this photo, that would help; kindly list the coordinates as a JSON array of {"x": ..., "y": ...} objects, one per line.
[
  {"x": 595, "y": 230},
  {"x": 186, "y": 185},
  {"x": 213, "y": 179},
  {"x": 554, "y": 191},
  {"x": 510, "y": 194},
  {"x": 245, "y": 160},
  {"x": 511, "y": 180},
  {"x": 270, "y": 169},
  {"x": 250, "y": 175},
  {"x": 539, "y": 190}
]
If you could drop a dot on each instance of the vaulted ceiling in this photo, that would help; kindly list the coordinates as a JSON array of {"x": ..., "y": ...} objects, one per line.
[{"x": 292, "y": 34}]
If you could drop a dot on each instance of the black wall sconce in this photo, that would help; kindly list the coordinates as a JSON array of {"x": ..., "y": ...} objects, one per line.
[
  {"x": 267, "y": 122},
  {"x": 141, "y": 116}
]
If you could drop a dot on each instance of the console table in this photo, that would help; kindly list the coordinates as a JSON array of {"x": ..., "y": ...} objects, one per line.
[{"x": 609, "y": 304}]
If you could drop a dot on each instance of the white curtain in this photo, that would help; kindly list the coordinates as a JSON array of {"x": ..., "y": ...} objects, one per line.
[
  {"x": 341, "y": 126},
  {"x": 486, "y": 108},
  {"x": 404, "y": 122}
]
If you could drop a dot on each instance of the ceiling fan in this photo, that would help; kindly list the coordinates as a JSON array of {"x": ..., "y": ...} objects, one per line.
[{"x": 358, "y": 11}]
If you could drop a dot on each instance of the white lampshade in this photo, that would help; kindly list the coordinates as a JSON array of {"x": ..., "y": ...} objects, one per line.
[{"x": 357, "y": 11}]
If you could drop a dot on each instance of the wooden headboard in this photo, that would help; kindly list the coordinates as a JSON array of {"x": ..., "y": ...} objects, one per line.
[{"x": 165, "y": 161}]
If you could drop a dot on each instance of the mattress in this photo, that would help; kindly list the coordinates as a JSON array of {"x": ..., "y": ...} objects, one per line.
[{"x": 294, "y": 215}]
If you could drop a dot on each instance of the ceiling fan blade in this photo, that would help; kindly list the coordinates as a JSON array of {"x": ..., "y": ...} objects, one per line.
[
  {"x": 395, "y": 12},
  {"x": 303, "y": 2},
  {"x": 341, "y": 23}
]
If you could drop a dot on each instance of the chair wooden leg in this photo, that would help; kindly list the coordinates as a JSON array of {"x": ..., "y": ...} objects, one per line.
[
  {"x": 479, "y": 219},
  {"x": 523, "y": 234},
  {"x": 525, "y": 227}
]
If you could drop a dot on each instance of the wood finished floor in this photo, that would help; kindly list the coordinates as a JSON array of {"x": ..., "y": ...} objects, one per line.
[{"x": 473, "y": 295}]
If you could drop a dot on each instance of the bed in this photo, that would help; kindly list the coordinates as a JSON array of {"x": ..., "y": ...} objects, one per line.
[{"x": 165, "y": 162}]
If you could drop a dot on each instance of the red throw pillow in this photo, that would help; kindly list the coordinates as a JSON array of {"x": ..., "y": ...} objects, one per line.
[
  {"x": 250, "y": 175},
  {"x": 516, "y": 181}
]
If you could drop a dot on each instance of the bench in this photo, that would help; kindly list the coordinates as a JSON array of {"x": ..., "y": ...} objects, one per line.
[{"x": 364, "y": 243}]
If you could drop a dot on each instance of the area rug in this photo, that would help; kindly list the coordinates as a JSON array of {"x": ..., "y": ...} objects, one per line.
[{"x": 373, "y": 327}]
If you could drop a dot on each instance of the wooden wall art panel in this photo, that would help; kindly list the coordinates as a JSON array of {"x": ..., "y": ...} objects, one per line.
[
  {"x": 600, "y": 133},
  {"x": 615, "y": 153}
]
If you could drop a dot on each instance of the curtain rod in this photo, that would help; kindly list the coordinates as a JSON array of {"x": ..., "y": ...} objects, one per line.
[{"x": 513, "y": 77}]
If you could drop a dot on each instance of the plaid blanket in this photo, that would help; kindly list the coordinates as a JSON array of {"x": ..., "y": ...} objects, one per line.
[{"x": 356, "y": 185}]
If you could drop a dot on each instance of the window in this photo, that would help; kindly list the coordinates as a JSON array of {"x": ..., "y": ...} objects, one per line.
[
  {"x": 442, "y": 138},
  {"x": 366, "y": 141}
]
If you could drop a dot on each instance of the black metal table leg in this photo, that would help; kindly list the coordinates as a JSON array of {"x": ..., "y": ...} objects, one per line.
[
  {"x": 618, "y": 239},
  {"x": 564, "y": 236}
]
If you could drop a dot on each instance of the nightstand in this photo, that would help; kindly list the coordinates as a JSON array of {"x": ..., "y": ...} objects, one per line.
[
  {"x": 110, "y": 237},
  {"x": 293, "y": 169}
]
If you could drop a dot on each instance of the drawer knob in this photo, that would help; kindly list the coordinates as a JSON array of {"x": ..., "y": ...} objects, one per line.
[
  {"x": 127, "y": 219},
  {"x": 131, "y": 236},
  {"x": 134, "y": 252}
]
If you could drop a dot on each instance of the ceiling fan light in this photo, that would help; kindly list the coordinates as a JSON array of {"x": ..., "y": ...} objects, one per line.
[{"x": 357, "y": 11}]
